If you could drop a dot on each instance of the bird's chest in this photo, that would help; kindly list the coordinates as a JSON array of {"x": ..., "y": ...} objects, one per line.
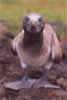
[{"x": 35, "y": 60}]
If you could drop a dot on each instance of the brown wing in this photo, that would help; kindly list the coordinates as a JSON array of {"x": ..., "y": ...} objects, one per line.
[
  {"x": 17, "y": 40},
  {"x": 56, "y": 50}
]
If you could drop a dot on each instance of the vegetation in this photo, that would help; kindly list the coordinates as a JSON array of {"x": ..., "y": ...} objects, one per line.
[{"x": 13, "y": 10}]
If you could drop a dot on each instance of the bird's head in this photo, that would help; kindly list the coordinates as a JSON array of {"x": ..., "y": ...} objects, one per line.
[{"x": 33, "y": 23}]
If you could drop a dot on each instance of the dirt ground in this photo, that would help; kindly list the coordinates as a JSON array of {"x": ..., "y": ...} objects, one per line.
[{"x": 10, "y": 70}]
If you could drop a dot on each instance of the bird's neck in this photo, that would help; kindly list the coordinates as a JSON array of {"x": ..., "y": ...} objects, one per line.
[{"x": 33, "y": 42}]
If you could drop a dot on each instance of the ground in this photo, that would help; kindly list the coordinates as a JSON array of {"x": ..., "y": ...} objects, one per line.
[{"x": 10, "y": 70}]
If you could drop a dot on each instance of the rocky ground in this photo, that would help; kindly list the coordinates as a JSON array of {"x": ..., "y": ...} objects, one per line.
[{"x": 10, "y": 70}]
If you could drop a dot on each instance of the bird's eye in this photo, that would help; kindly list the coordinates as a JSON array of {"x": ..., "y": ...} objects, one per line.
[
  {"x": 41, "y": 22},
  {"x": 40, "y": 19},
  {"x": 26, "y": 19}
]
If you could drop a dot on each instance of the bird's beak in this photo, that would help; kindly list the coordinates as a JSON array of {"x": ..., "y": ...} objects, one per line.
[{"x": 33, "y": 23}]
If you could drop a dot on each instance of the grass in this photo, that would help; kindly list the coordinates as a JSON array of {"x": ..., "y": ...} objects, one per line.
[{"x": 13, "y": 10}]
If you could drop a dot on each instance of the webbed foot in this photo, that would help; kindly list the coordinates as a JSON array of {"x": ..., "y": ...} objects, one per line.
[
  {"x": 17, "y": 85},
  {"x": 45, "y": 84},
  {"x": 30, "y": 83}
]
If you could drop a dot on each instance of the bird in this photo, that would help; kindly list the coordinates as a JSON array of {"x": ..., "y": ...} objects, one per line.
[{"x": 36, "y": 44}]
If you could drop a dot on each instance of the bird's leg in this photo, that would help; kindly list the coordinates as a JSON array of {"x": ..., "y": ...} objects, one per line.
[
  {"x": 43, "y": 82},
  {"x": 17, "y": 85},
  {"x": 24, "y": 82},
  {"x": 28, "y": 82}
]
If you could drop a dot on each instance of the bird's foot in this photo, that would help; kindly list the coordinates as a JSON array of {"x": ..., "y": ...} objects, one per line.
[
  {"x": 25, "y": 82},
  {"x": 45, "y": 84}
]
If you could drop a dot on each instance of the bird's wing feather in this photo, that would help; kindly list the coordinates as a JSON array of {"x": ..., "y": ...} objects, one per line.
[
  {"x": 56, "y": 50},
  {"x": 17, "y": 40}
]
